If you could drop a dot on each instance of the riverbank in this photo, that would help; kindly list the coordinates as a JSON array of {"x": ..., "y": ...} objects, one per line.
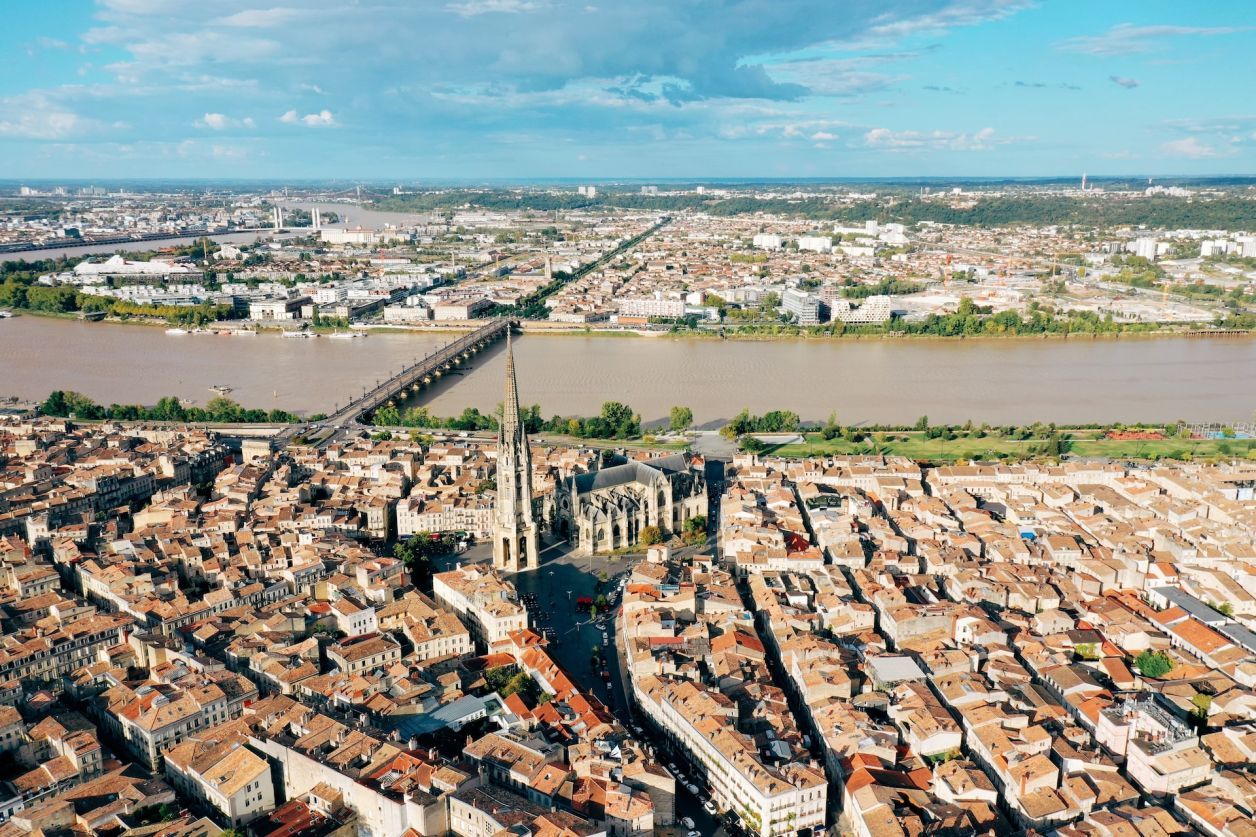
[
  {"x": 545, "y": 328},
  {"x": 574, "y": 330}
]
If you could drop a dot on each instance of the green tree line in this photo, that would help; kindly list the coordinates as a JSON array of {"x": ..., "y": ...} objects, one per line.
[
  {"x": 1228, "y": 211},
  {"x": 70, "y": 404},
  {"x": 616, "y": 421},
  {"x": 19, "y": 290}
]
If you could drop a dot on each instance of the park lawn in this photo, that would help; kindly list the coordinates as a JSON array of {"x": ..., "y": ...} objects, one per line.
[
  {"x": 916, "y": 446},
  {"x": 1078, "y": 442},
  {"x": 1163, "y": 449}
]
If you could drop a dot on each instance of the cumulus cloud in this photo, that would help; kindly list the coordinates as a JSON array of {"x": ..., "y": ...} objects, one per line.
[
  {"x": 222, "y": 122},
  {"x": 322, "y": 118},
  {"x": 530, "y": 45},
  {"x": 39, "y": 117},
  {"x": 1190, "y": 147},
  {"x": 1124, "y": 81}
]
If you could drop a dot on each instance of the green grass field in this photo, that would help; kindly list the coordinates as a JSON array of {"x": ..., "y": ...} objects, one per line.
[{"x": 1078, "y": 443}]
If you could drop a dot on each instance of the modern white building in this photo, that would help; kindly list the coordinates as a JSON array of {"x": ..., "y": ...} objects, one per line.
[
  {"x": 808, "y": 309},
  {"x": 815, "y": 243},
  {"x": 768, "y": 241},
  {"x": 654, "y": 306},
  {"x": 1145, "y": 247}
]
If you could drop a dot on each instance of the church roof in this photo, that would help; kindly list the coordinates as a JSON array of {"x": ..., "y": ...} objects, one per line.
[{"x": 640, "y": 472}]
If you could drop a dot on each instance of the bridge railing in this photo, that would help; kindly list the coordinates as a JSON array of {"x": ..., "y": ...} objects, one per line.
[{"x": 386, "y": 390}]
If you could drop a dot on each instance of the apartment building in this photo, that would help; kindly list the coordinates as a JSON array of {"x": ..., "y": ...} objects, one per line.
[
  {"x": 486, "y": 603},
  {"x": 771, "y": 799},
  {"x": 222, "y": 773},
  {"x": 808, "y": 309},
  {"x": 157, "y": 715}
]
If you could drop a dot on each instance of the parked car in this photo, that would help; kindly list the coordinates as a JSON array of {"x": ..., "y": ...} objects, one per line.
[
  {"x": 709, "y": 807},
  {"x": 687, "y": 822}
]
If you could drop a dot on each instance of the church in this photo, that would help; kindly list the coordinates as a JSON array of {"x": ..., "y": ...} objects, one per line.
[
  {"x": 605, "y": 510},
  {"x": 598, "y": 511}
]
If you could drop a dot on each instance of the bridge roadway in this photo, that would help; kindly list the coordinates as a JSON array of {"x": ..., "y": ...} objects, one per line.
[
  {"x": 413, "y": 376},
  {"x": 421, "y": 372}
]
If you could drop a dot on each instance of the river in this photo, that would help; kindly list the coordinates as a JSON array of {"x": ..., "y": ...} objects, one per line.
[{"x": 996, "y": 381}]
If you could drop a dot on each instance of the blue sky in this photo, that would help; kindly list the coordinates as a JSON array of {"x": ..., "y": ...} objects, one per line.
[{"x": 414, "y": 89}]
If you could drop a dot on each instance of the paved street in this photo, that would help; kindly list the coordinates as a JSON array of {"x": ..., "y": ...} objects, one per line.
[{"x": 562, "y": 578}]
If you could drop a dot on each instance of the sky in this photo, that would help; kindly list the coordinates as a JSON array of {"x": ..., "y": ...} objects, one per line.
[{"x": 408, "y": 90}]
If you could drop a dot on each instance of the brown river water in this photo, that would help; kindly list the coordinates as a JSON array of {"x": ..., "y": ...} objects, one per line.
[{"x": 996, "y": 381}]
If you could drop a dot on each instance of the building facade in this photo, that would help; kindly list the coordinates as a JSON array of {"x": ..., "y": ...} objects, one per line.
[{"x": 606, "y": 509}]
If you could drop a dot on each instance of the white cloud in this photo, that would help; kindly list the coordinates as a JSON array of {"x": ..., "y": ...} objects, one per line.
[
  {"x": 36, "y": 116},
  {"x": 1124, "y": 81},
  {"x": 889, "y": 140},
  {"x": 822, "y": 136},
  {"x": 1128, "y": 39},
  {"x": 323, "y": 118},
  {"x": 471, "y": 8},
  {"x": 261, "y": 18},
  {"x": 1190, "y": 147},
  {"x": 221, "y": 122}
]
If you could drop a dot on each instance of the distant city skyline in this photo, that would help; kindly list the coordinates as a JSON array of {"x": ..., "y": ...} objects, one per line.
[{"x": 543, "y": 89}]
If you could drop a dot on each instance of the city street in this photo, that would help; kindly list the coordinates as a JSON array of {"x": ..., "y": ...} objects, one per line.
[{"x": 551, "y": 591}]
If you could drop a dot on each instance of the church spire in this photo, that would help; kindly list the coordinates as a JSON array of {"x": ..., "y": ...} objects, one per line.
[
  {"x": 515, "y": 543},
  {"x": 510, "y": 404}
]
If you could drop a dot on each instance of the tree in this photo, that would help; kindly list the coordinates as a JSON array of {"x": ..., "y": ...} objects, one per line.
[
  {"x": 1203, "y": 703},
  {"x": 831, "y": 428},
  {"x": 620, "y": 421},
  {"x": 695, "y": 529},
  {"x": 681, "y": 418},
  {"x": 922, "y": 423},
  {"x": 650, "y": 535},
  {"x": 387, "y": 416},
  {"x": 418, "y": 551},
  {"x": 1154, "y": 664}
]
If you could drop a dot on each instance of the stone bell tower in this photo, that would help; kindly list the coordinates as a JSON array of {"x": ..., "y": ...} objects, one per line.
[{"x": 515, "y": 543}]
